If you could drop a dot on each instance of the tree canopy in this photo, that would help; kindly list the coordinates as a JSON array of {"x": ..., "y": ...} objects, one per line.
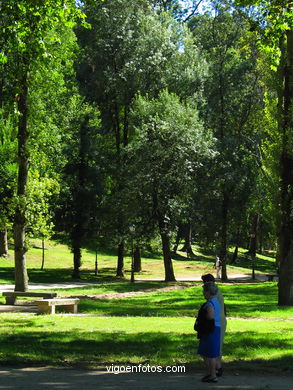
[{"x": 171, "y": 117}]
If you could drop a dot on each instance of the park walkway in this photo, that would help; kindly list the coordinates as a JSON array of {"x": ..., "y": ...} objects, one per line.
[
  {"x": 236, "y": 278},
  {"x": 64, "y": 285},
  {"x": 42, "y": 378}
]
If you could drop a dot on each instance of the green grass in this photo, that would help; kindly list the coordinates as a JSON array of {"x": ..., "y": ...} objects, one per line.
[
  {"x": 95, "y": 341},
  {"x": 245, "y": 300},
  {"x": 58, "y": 264},
  {"x": 255, "y": 300},
  {"x": 120, "y": 287},
  {"x": 154, "y": 326}
]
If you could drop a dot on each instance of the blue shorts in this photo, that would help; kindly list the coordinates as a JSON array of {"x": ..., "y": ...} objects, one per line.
[{"x": 209, "y": 345}]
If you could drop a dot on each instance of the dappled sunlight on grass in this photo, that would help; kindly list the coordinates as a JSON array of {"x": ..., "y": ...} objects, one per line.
[
  {"x": 112, "y": 287},
  {"x": 260, "y": 340},
  {"x": 147, "y": 321},
  {"x": 101, "y": 340},
  {"x": 80, "y": 339},
  {"x": 59, "y": 264},
  {"x": 244, "y": 300},
  {"x": 264, "y": 263}
]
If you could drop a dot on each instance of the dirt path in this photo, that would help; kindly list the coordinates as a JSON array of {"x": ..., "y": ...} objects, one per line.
[
  {"x": 120, "y": 295},
  {"x": 180, "y": 284},
  {"x": 42, "y": 378},
  {"x": 236, "y": 278}
]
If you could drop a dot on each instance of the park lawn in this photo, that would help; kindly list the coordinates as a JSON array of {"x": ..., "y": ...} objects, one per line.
[
  {"x": 245, "y": 300},
  {"x": 99, "y": 341},
  {"x": 153, "y": 327},
  {"x": 186, "y": 303},
  {"x": 58, "y": 264}
]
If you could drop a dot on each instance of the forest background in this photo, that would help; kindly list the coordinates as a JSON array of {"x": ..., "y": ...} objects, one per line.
[{"x": 126, "y": 121}]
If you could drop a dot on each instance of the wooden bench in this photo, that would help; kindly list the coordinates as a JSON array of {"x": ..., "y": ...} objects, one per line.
[
  {"x": 272, "y": 277},
  {"x": 48, "y": 305},
  {"x": 10, "y": 296}
]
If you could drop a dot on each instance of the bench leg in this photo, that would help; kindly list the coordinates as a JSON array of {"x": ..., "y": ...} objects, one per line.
[
  {"x": 10, "y": 300},
  {"x": 70, "y": 308},
  {"x": 45, "y": 309}
]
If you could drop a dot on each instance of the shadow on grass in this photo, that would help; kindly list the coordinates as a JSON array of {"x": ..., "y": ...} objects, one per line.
[
  {"x": 177, "y": 256},
  {"x": 125, "y": 287},
  {"x": 253, "y": 350},
  {"x": 251, "y": 300},
  {"x": 170, "y": 307},
  {"x": 261, "y": 264},
  {"x": 7, "y": 275},
  {"x": 58, "y": 275},
  {"x": 80, "y": 347},
  {"x": 65, "y": 275},
  {"x": 75, "y": 346},
  {"x": 243, "y": 260},
  {"x": 201, "y": 254},
  {"x": 140, "y": 307}
]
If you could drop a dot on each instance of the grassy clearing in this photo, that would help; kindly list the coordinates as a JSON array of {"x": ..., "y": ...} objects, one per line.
[
  {"x": 58, "y": 264},
  {"x": 243, "y": 301},
  {"x": 97, "y": 341},
  {"x": 154, "y": 327},
  {"x": 256, "y": 300}
]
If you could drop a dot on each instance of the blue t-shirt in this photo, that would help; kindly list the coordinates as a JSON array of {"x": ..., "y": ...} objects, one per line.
[{"x": 214, "y": 303}]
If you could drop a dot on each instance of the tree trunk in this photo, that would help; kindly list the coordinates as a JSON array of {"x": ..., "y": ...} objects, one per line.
[
  {"x": 254, "y": 235},
  {"x": 285, "y": 122},
  {"x": 168, "y": 265},
  {"x": 169, "y": 272},
  {"x": 224, "y": 239},
  {"x": 3, "y": 243},
  {"x": 178, "y": 238},
  {"x": 81, "y": 212},
  {"x": 235, "y": 255},
  {"x": 187, "y": 240},
  {"x": 260, "y": 237},
  {"x": 43, "y": 253},
  {"x": 253, "y": 243},
  {"x": 137, "y": 259},
  {"x": 120, "y": 262},
  {"x": 21, "y": 278},
  {"x": 76, "y": 262},
  {"x": 96, "y": 264},
  {"x": 253, "y": 259}
]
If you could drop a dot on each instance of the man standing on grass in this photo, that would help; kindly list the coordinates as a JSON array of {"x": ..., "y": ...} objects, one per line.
[
  {"x": 209, "y": 278},
  {"x": 218, "y": 266}
]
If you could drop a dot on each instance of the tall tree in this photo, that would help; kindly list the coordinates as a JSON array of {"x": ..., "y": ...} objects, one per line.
[
  {"x": 8, "y": 148},
  {"x": 129, "y": 49},
  {"x": 233, "y": 95},
  {"x": 275, "y": 21},
  {"x": 25, "y": 27},
  {"x": 79, "y": 196},
  {"x": 285, "y": 126},
  {"x": 163, "y": 158}
]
